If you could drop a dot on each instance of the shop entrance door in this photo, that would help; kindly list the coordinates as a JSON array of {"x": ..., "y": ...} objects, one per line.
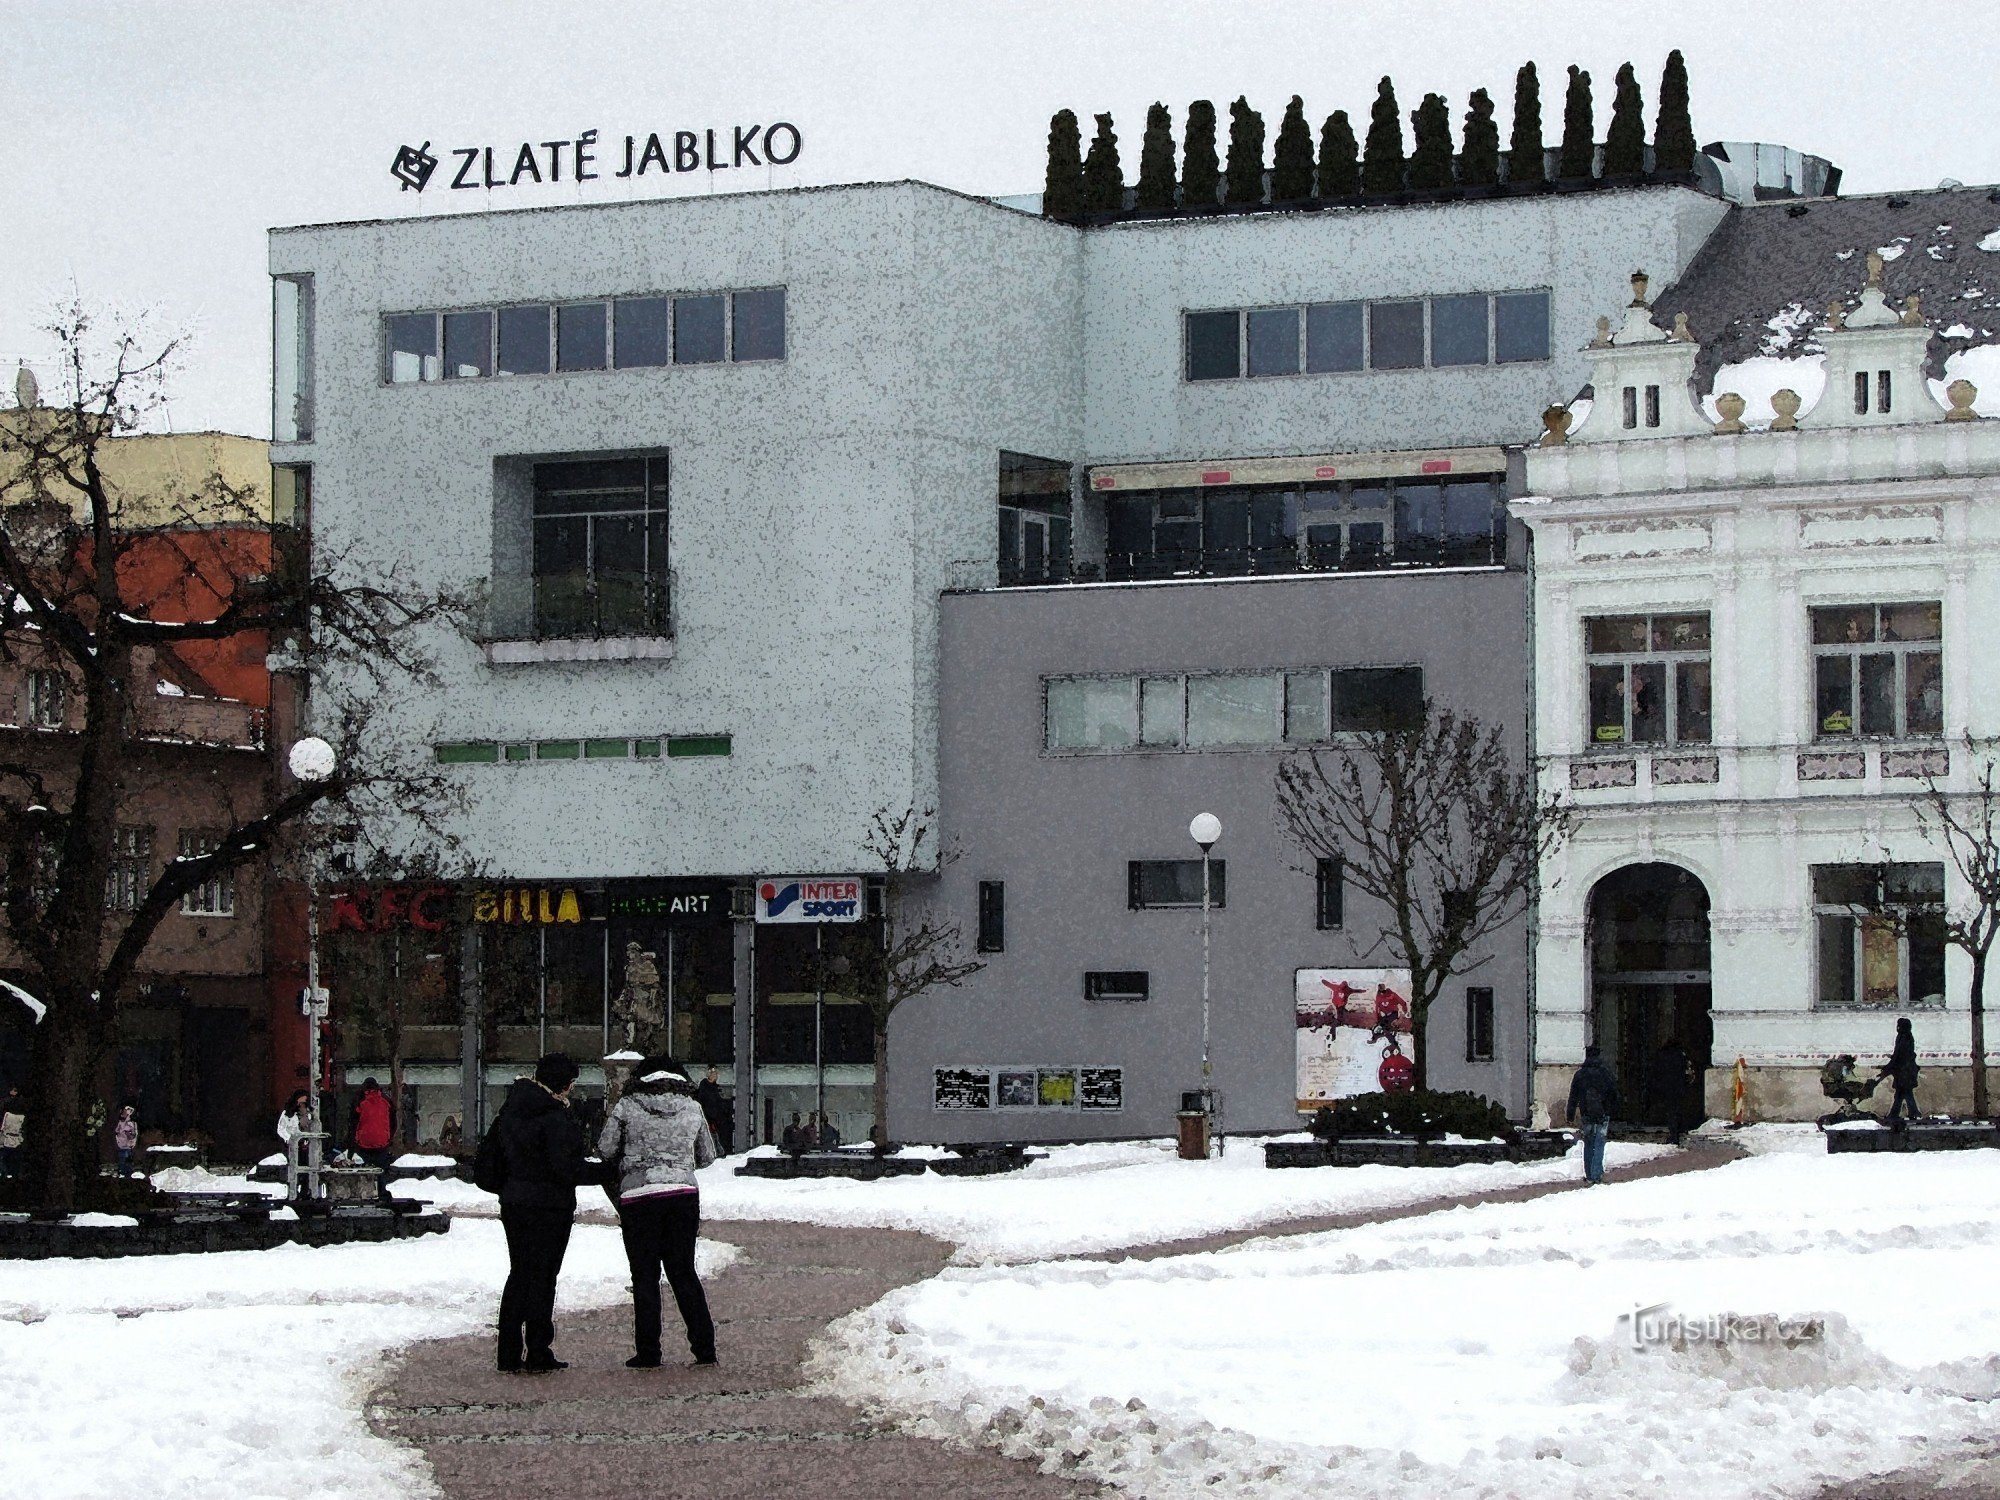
[{"x": 1651, "y": 999}]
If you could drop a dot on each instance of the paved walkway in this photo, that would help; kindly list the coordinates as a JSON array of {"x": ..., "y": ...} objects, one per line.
[{"x": 742, "y": 1431}]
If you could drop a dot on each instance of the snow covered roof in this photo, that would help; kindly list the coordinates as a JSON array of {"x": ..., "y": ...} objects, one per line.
[{"x": 1761, "y": 284}]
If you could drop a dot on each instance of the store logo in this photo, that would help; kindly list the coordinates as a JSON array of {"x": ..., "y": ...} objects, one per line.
[
  {"x": 711, "y": 149},
  {"x": 775, "y": 900},
  {"x": 413, "y": 166},
  {"x": 810, "y": 898}
]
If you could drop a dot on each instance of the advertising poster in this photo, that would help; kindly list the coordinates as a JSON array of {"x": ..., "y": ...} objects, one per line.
[{"x": 1349, "y": 1020}]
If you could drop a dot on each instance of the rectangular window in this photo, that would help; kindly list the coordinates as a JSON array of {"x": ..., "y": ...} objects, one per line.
[
  {"x": 1395, "y": 335},
  {"x": 1370, "y": 698},
  {"x": 1092, "y": 713},
  {"x": 1154, "y": 884},
  {"x": 1214, "y": 345},
  {"x": 1458, "y": 330},
  {"x": 992, "y": 916},
  {"x": 215, "y": 896},
  {"x": 1306, "y": 717},
  {"x": 1034, "y": 515},
  {"x": 682, "y": 746},
  {"x": 48, "y": 698},
  {"x": 1116, "y": 984},
  {"x": 1234, "y": 708},
  {"x": 467, "y": 754},
  {"x": 1880, "y": 934},
  {"x": 1520, "y": 327},
  {"x": 1333, "y": 337},
  {"x": 757, "y": 324},
  {"x": 583, "y": 336},
  {"x": 412, "y": 348},
  {"x": 291, "y": 359},
  {"x": 1329, "y": 894},
  {"x": 1648, "y": 679},
  {"x": 699, "y": 332},
  {"x": 642, "y": 332},
  {"x": 600, "y": 548},
  {"x": 1274, "y": 341},
  {"x": 131, "y": 874},
  {"x": 524, "y": 340},
  {"x": 1878, "y": 669},
  {"x": 1160, "y": 700},
  {"x": 1478, "y": 1023},
  {"x": 468, "y": 344}
]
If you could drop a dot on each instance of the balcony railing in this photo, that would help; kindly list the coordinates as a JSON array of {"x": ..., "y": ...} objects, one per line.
[
  {"x": 579, "y": 606},
  {"x": 1315, "y": 557}
]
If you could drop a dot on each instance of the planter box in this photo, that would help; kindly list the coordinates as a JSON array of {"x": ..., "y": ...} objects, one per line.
[
  {"x": 862, "y": 1168},
  {"x": 1402, "y": 1151},
  {"x": 158, "y": 1158},
  {"x": 1970, "y": 1136},
  {"x": 984, "y": 1161},
  {"x": 352, "y": 1184},
  {"x": 157, "y": 1233}
]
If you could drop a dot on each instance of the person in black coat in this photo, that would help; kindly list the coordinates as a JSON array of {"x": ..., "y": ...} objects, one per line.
[
  {"x": 541, "y": 1150},
  {"x": 1593, "y": 1093},
  {"x": 708, "y": 1094},
  {"x": 1901, "y": 1071}
]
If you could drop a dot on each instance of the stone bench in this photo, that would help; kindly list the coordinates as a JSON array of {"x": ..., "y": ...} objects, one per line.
[
  {"x": 1405, "y": 1151},
  {"x": 1971, "y": 1135}
]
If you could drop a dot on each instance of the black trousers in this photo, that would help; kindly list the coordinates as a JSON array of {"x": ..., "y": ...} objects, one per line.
[
  {"x": 536, "y": 1241},
  {"x": 1904, "y": 1096},
  {"x": 660, "y": 1235}
]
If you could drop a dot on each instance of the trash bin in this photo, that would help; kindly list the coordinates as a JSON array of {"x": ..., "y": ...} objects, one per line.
[{"x": 1193, "y": 1125}]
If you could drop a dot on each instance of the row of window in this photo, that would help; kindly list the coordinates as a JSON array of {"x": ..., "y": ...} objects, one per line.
[
  {"x": 1028, "y": 1088},
  {"x": 1325, "y": 338},
  {"x": 620, "y": 333},
  {"x": 131, "y": 875},
  {"x": 1216, "y": 710},
  {"x": 652, "y": 747},
  {"x": 1878, "y": 670},
  {"x": 1161, "y": 885}
]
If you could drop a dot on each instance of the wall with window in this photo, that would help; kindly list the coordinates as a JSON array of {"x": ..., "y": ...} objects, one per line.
[
  {"x": 1185, "y": 697},
  {"x": 1360, "y": 329},
  {"x": 798, "y": 398}
]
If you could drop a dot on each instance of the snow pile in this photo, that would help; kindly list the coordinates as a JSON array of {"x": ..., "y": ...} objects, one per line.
[
  {"x": 201, "y": 1180},
  {"x": 1112, "y": 1196},
  {"x": 1485, "y": 1350},
  {"x": 1991, "y": 240},
  {"x": 172, "y": 1376}
]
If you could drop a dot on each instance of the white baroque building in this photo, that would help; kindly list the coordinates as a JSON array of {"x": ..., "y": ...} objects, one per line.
[{"x": 1755, "y": 650}]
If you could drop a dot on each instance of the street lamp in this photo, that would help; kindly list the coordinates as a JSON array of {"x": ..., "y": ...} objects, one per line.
[
  {"x": 1205, "y": 829},
  {"x": 312, "y": 759}
]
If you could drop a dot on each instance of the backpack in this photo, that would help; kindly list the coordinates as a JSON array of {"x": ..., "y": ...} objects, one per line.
[{"x": 489, "y": 1163}]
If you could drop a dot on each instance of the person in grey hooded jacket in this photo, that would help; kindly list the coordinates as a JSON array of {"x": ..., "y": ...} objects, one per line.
[{"x": 657, "y": 1138}]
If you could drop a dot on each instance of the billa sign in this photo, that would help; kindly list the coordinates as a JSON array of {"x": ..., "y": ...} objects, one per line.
[
  {"x": 535, "y": 162},
  {"x": 810, "y": 898}
]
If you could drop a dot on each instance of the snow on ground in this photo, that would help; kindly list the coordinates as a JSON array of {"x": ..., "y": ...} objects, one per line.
[
  {"x": 1481, "y": 1351},
  {"x": 1111, "y": 1196},
  {"x": 179, "y": 1376}
]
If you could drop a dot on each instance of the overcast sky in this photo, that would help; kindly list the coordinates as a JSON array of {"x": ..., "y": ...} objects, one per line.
[{"x": 151, "y": 145}]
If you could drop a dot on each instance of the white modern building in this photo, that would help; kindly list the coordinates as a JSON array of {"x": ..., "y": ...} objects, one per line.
[{"x": 1760, "y": 638}]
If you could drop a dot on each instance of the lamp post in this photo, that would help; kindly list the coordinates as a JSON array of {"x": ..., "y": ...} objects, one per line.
[
  {"x": 1205, "y": 829},
  {"x": 312, "y": 759}
]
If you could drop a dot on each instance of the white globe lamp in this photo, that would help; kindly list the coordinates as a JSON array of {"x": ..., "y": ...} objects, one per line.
[
  {"x": 311, "y": 759},
  {"x": 1205, "y": 829}
]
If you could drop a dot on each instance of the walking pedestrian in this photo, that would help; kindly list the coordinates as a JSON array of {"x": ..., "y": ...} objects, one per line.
[
  {"x": 13, "y": 1129},
  {"x": 708, "y": 1094},
  {"x": 1901, "y": 1071},
  {"x": 534, "y": 1158},
  {"x": 125, "y": 1138},
  {"x": 658, "y": 1139},
  {"x": 1593, "y": 1093}
]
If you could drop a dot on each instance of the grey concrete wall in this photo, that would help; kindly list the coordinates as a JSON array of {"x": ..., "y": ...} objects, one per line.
[
  {"x": 1058, "y": 829},
  {"x": 1140, "y": 276},
  {"x": 818, "y": 504}
]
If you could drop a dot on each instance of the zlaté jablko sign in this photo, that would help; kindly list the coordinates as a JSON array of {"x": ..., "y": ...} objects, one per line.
[{"x": 578, "y": 158}]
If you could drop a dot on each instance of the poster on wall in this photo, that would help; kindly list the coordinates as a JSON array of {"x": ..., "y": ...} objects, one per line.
[
  {"x": 1349, "y": 1022},
  {"x": 961, "y": 1088}
]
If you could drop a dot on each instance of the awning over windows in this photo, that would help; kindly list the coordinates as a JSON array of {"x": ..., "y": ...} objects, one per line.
[{"x": 1304, "y": 468}]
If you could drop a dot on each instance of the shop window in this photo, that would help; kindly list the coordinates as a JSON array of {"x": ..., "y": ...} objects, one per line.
[
  {"x": 600, "y": 547},
  {"x": 524, "y": 340},
  {"x": 1880, "y": 934},
  {"x": 1878, "y": 669},
  {"x": 1478, "y": 1023},
  {"x": 48, "y": 698},
  {"x": 1648, "y": 679},
  {"x": 583, "y": 336},
  {"x": 1116, "y": 984},
  {"x": 131, "y": 873},
  {"x": 1329, "y": 894},
  {"x": 992, "y": 916},
  {"x": 215, "y": 896},
  {"x": 1157, "y": 884},
  {"x": 1100, "y": 1088}
]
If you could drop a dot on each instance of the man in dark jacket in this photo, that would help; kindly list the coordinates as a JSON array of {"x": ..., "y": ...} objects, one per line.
[
  {"x": 708, "y": 1094},
  {"x": 1901, "y": 1071},
  {"x": 542, "y": 1149},
  {"x": 1593, "y": 1093}
]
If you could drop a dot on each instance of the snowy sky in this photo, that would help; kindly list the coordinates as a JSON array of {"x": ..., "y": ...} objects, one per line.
[{"x": 152, "y": 144}]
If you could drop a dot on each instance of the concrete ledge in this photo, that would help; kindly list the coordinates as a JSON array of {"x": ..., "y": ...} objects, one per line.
[
  {"x": 1970, "y": 1136},
  {"x": 1389, "y": 1151},
  {"x": 22, "y": 1238},
  {"x": 586, "y": 648},
  {"x": 863, "y": 1168}
]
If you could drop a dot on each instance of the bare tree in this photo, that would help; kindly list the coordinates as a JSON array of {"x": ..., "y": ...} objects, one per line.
[
  {"x": 917, "y": 951},
  {"x": 68, "y": 600},
  {"x": 1967, "y": 825},
  {"x": 1438, "y": 827}
]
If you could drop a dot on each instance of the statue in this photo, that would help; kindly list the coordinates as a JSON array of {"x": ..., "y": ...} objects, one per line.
[{"x": 638, "y": 1003}]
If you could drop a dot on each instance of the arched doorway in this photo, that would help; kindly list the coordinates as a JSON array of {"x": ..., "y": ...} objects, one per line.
[{"x": 1650, "y": 987}]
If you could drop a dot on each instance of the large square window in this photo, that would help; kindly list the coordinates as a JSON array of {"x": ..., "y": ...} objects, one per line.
[
  {"x": 758, "y": 324},
  {"x": 1395, "y": 335},
  {"x": 1878, "y": 669},
  {"x": 1648, "y": 679},
  {"x": 1880, "y": 934},
  {"x": 1366, "y": 698},
  {"x": 643, "y": 330},
  {"x": 1458, "y": 330},
  {"x": 1520, "y": 326},
  {"x": 1093, "y": 713},
  {"x": 582, "y": 336},
  {"x": 1334, "y": 337},
  {"x": 1274, "y": 341},
  {"x": 698, "y": 330},
  {"x": 600, "y": 548},
  {"x": 1214, "y": 345},
  {"x": 524, "y": 340}
]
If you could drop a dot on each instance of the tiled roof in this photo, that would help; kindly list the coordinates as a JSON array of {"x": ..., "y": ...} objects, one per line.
[{"x": 1762, "y": 282}]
